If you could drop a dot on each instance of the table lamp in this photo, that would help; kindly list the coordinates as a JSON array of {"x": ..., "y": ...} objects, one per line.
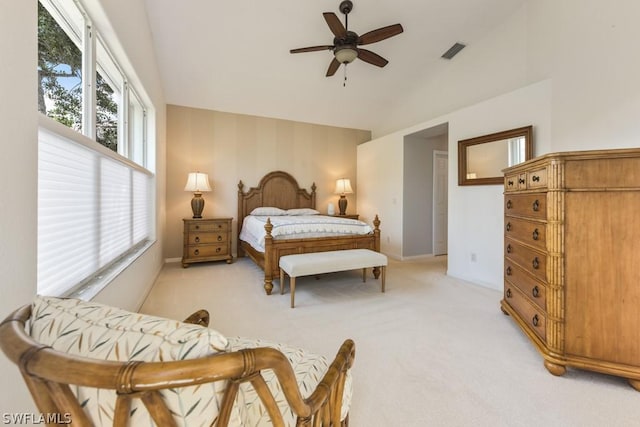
[
  {"x": 343, "y": 186},
  {"x": 197, "y": 183}
]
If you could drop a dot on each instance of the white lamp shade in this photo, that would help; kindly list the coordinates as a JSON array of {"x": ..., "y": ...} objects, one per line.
[
  {"x": 343, "y": 186},
  {"x": 197, "y": 183},
  {"x": 346, "y": 55}
]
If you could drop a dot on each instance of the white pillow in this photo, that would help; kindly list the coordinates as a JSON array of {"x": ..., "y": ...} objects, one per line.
[
  {"x": 302, "y": 211},
  {"x": 268, "y": 211}
]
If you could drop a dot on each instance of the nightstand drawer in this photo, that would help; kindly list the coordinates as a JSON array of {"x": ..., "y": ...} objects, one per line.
[
  {"x": 206, "y": 251},
  {"x": 208, "y": 226},
  {"x": 204, "y": 238}
]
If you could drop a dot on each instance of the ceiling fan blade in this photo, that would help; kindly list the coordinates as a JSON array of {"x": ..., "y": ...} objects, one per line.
[
  {"x": 371, "y": 58},
  {"x": 311, "y": 49},
  {"x": 333, "y": 67},
  {"x": 380, "y": 34},
  {"x": 334, "y": 24}
]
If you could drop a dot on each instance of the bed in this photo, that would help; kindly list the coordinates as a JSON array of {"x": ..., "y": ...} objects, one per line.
[{"x": 280, "y": 190}]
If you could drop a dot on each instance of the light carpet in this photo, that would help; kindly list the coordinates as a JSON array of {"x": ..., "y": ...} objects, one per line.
[{"x": 431, "y": 351}]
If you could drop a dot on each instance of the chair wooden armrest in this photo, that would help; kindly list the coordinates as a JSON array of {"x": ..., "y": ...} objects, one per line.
[
  {"x": 200, "y": 317},
  {"x": 48, "y": 374}
]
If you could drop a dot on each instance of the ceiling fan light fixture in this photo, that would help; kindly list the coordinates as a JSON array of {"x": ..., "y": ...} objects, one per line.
[{"x": 346, "y": 55}]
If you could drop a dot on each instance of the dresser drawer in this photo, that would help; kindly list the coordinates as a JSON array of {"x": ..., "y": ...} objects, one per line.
[
  {"x": 530, "y": 260},
  {"x": 537, "y": 178},
  {"x": 526, "y": 205},
  {"x": 206, "y": 251},
  {"x": 197, "y": 238},
  {"x": 515, "y": 182},
  {"x": 531, "y": 233},
  {"x": 221, "y": 226},
  {"x": 533, "y": 317},
  {"x": 533, "y": 288}
]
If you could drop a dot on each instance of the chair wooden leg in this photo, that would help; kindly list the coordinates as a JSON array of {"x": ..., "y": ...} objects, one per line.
[
  {"x": 292, "y": 285},
  {"x": 384, "y": 274}
]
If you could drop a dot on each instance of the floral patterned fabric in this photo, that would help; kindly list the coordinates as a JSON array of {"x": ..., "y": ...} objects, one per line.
[{"x": 102, "y": 332}]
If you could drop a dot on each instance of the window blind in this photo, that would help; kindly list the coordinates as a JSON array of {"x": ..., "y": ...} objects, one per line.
[{"x": 93, "y": 209}]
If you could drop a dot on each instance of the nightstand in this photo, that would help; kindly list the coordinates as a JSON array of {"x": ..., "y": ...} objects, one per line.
[
  {"x": 350, "y": 216},
  {"x": 206, "y": 239}
]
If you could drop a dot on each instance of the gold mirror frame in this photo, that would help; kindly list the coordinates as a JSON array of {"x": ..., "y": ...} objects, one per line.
[{"x": 465, "y": 176}]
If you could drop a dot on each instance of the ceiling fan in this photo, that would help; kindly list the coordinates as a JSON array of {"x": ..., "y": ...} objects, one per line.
[{"x": 345, "y": 43}]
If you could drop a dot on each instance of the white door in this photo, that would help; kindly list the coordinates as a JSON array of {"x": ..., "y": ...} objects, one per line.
[{"x": 440, "y": 177}]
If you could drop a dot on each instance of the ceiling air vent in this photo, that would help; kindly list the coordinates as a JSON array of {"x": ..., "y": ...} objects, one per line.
[{"x": 453, "y": 51}]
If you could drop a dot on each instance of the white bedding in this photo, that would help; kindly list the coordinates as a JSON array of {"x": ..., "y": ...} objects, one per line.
[{"x": 299, "y": 226}]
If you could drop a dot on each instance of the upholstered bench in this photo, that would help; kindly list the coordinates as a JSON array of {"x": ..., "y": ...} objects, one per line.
[{"x": 328, "y": 262}]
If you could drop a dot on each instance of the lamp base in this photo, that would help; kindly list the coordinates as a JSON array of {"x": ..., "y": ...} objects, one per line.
[
  {"x": 197, "y": 205},
  {"x": 342, "y": 205}
]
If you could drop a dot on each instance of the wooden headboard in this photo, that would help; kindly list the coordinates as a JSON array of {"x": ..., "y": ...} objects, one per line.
[{"x": 277, "y": 189}]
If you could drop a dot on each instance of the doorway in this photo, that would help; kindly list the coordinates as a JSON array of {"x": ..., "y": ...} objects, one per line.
[{"x": 425, "y": 174}]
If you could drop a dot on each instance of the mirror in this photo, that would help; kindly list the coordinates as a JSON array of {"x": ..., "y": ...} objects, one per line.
[{"x": 482, "y": 159}]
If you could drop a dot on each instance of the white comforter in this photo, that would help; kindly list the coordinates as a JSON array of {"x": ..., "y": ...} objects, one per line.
[{"x": 299, "y": 226}]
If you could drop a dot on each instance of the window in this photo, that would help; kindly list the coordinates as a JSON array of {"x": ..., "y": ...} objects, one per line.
[{"x": 95, "y": 195}]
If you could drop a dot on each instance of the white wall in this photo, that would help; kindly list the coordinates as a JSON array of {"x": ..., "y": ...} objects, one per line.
[
  {"x": 583, "y": 54},
  {"x": 18, "y": 163}
]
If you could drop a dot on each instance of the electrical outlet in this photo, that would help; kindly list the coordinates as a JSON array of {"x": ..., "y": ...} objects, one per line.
[{"x": 474, "y": 258}]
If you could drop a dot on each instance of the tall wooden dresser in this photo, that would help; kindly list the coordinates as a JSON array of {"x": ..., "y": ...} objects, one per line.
[{"x": 572, "y": 259}]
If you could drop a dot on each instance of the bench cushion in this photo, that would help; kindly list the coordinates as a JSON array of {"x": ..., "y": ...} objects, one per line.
[{"x": 328, "y": 262}]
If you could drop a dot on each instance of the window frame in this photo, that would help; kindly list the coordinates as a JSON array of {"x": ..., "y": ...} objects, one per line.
[{"x": 134, "y": 150}]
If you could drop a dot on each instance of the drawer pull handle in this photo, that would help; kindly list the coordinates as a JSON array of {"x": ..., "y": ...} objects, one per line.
[
  {"x": 219, "y": 238},
  {"x": 510, "y": 183},
  {"x": 218, "y": 249},
  {"x": 197, "y": 227},
  {"x": 509, "y": 204},
  {"x": 521, "y": 181},
  {"x": 535, "y": 178},
  {"x": 508, "y": 227},
  {"x": 509, "y": 248},
  {"x": 197, "y": 239},
  {"x": 536, "y": 263},
  {"x": 535, "y": 234},
  {"x": 508, "y": 271},
  {"x": 196, "y": 252},
  {"x": 535, "y": 320},
  {"x": 508, "y": 293},
  {"x": 536, "y": 206},
  {"x": 535, "y": 291}
]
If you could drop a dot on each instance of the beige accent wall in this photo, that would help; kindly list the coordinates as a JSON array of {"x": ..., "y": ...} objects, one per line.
[{"x": 233, "y": 147}]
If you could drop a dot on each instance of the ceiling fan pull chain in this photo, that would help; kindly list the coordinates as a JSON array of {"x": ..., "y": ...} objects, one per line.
[{"x": 344, "y": 83}]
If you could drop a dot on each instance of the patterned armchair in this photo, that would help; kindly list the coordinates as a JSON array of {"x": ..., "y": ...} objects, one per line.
[{"x": 99, "y": 365}]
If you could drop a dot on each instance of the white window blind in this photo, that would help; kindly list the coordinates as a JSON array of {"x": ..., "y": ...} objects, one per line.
[{"x": 93, "y": 209}]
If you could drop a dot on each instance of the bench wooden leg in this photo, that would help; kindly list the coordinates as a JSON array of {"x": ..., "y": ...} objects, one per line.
[
  {"x": 384, "y": 273},
  {"x": 292, "y": 285},
  {"x": 281, "y": 281}
]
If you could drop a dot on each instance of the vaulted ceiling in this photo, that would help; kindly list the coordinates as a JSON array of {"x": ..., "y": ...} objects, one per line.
[{"x": 234, "y": 55}]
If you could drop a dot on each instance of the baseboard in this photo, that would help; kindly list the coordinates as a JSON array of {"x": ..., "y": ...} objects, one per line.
[
  {"x": 417, "y": 257},
  {"x": 170, "y": 260}
]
